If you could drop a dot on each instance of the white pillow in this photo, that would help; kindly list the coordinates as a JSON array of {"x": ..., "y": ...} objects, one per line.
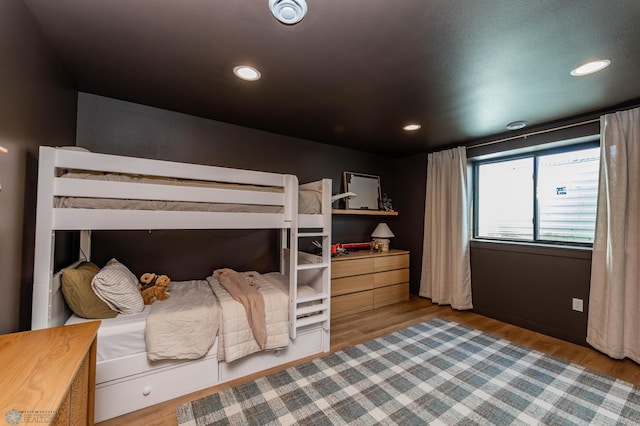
[{"x": 118, "y": 288}]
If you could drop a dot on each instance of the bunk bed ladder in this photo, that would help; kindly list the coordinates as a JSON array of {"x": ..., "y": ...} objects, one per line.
[{"x": 315, "y": 309}]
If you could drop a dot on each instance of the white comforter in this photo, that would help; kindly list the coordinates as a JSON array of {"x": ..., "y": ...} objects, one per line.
[
  {"x": 235, "y": 338},
  {"x": 185, "y": 325}
]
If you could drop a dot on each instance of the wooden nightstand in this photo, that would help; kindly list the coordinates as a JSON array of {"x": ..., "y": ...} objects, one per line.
[
  {"x": 361, "y": 281},
  {"x": 48, "y": 376}
]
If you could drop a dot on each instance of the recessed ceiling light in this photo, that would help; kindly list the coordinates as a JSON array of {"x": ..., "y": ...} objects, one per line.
[
  {"x": 3, "y": 149},
  {"x": 288, "y": 11},
  {"x": 246, "y": 72},
  {"x": 411, "y": 127},
  {"x": 590, "y": 67},
  {"x": 515, "y": 125}
]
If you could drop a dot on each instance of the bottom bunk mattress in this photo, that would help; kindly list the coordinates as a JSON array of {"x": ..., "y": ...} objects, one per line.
[
  {"x": 183, "y": 327},
  {"x": 120, "y": 336},
  {"x": 186, "y": 325}
]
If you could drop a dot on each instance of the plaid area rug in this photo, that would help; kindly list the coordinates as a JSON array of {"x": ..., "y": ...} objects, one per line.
[{"x": 438, "y": 372}]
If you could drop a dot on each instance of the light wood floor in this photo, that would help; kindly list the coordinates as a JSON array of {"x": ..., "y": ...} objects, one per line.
[{"x": 359, "y": 328}]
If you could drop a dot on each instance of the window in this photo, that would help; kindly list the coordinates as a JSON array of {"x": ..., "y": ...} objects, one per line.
[{"x": 546, "y": 196}]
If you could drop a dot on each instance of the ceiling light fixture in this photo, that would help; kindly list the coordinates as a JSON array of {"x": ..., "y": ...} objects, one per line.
[
  {"x": 246, "y": 72},
  {"x": 590, "y": 67},
  {"x": 288, "y": 11},
  {"x": 516, "y": 125},
  {"x": 411, "y": 127}
]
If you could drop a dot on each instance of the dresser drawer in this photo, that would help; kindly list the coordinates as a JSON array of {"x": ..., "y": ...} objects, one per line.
[
  {"x": 387, "y": 263},
  {"x": 362, "y": 281},
  {"x": 354, "y": 284},
  {"x": 382, "y": 279},
  {"x": 349, "y": 267},
  {"x": 351, "y": 303},
  {"x": 391, "y": 294}
]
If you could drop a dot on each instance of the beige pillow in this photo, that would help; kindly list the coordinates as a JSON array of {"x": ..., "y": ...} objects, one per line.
[
  {"x": 77, "y": 291},
  {"x": 118, "y": 288}
]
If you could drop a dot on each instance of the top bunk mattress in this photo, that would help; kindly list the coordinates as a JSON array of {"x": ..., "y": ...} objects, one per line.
[{"x": 309, "y": 197}]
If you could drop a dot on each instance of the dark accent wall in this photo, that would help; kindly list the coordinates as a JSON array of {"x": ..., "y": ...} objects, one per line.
[
  {"x": 411, "y": 182},
  {"x": 37, "y": 107},
  {"x": 532, "y": 286},
  {"x": 116, "y": 127},
  {"x": 526, "y": 285},
  {"x": 188, "y": 254}
]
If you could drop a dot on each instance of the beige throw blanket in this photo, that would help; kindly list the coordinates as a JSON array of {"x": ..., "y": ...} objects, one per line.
[
  {"x": 243, "y": 288},
  {"x": 235, "y": 338}
]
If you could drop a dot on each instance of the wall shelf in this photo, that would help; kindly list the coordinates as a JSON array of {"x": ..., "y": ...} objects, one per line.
[{"x": 365, "y": 212}]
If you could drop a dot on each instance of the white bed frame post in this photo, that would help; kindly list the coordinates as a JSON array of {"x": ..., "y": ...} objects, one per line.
[
  {"x": 292, "y": 244},
  {"x": 48, "y": 306},
  {"x": 45, "y": 241},
  {"x": 327, "y": 217}
]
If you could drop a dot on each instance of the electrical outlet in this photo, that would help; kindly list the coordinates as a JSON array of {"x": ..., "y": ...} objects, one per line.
[{"x": 577, "y": 305}]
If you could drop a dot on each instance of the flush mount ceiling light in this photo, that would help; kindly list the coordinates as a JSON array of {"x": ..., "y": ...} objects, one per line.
[
  {"x": 515, "y": 125},
  {"x": 411, "y": 127},
  {"x": 246, "y": 72},
  {"x": 288, "y": 11},
  {"x": 590, "y": 67}
]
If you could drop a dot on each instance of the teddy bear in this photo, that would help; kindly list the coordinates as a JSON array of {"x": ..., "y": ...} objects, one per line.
[{"x": 153, "y": 287}]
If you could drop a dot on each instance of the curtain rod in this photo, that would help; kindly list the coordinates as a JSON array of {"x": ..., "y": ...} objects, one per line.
[{"x": 539, "y": 132}]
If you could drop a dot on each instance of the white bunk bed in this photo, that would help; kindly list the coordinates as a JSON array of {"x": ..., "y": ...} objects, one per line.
[{"x": 188, "y": 197}]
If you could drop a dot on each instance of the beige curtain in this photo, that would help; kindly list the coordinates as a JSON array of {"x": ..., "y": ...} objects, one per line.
[
  {"x": 614, "y": 300},
  {"x": 446, "y": 269}
]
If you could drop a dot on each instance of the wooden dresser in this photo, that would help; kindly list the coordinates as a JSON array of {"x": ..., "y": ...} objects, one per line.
[
  {"x": 48, "y": 376},
  {"x": 361, "y": 281}
]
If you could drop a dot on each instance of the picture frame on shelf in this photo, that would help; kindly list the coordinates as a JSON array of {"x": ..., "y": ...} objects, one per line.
[{"x": 367, "y": 190}]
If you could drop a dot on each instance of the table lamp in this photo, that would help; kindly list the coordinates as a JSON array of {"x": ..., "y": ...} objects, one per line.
[{"x": 381, "y": 236}]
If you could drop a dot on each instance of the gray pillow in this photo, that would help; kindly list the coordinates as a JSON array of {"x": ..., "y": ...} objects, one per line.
[{"x": 118, "y": 288}]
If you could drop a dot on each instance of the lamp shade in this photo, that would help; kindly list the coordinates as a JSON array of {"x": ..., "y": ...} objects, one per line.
[{"x": 382, "y": 231}]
